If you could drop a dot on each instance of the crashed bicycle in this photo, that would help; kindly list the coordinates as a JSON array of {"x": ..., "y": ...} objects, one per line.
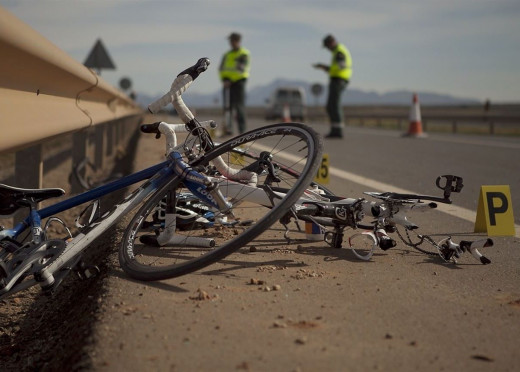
[{"x": 30, "y": 255}]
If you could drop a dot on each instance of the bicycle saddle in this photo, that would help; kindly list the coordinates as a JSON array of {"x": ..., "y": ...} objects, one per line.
[{"x": 13, "y": 198}]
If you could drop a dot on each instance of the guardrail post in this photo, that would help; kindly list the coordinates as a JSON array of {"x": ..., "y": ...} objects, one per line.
[
  {"x": 110, "y": 140},
  {"x": 115, "y": 134},
  {"x": 491, "y": 127},
  {"x": 122, "y": 137},
  {"x": 115, "y": 138},
  {"x": 28, "y": 172},
  {"x": 99, "y": 146},
  {"x": 79, "y": 153},
  {"x": 124, "y": 131},
  {"x": 454, "y": 126}
]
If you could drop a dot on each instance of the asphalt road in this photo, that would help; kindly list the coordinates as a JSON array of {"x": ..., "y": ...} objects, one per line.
[{"x": 400, "y": 311}]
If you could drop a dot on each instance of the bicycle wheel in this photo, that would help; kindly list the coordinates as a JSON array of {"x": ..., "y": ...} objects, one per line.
[{"x": 165, "y": 239}]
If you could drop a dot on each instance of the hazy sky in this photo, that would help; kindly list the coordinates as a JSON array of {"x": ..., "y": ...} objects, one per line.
[{"x": 467, "y": 48}]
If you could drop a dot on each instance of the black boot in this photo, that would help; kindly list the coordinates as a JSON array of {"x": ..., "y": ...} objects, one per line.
[{"x": 335, "y": 132}]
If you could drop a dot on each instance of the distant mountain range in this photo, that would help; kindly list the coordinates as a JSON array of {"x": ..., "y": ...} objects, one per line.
[{"x": 257, "y": 96}]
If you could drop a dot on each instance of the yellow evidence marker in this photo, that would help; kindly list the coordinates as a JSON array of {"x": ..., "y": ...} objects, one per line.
[
  {"x": 495, "y": 211},
  {"x": 323, "y": 175}
]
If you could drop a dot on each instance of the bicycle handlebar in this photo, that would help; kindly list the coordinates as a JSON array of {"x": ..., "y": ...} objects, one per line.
[
  {"x": 170, "y": 130},
  {"x": 179, "y": 128},
  {"x": 179, "y": 86}
]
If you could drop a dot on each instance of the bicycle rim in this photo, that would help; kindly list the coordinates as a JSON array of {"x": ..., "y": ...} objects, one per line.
[{"x": 202, "y": 236}]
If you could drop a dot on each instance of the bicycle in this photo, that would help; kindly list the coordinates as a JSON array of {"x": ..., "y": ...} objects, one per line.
[
  {"x": 333, "y": 214},
  {"x": 196, "y": 166},
  {"x": 336, "y": 214}
]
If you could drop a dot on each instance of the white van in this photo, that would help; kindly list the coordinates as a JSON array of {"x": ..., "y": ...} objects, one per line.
[{"x": 292, "y": 97}]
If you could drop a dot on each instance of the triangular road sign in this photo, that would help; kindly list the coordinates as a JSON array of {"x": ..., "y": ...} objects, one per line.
[{"x": 99, "y": 58}]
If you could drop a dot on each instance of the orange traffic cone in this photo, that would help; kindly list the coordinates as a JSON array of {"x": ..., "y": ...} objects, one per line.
[
  {"x": 415, "y": 127},
  {"x": 286, "y": 113}
]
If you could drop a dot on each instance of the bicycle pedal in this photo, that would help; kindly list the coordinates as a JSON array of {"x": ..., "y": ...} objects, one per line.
[{"x": 85, "y": 272}]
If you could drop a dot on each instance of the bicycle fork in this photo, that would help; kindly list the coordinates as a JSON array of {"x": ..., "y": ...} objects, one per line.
[
  {"x": 200, "y": 185},
  {"x": 203, "y": 188}
]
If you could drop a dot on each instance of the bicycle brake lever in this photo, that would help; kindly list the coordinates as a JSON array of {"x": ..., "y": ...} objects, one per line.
[
  {"x": 264, "y": 163},
  {"x": 200, "y": 66}
]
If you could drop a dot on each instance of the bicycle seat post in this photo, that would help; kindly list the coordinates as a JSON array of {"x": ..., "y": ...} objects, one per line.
[{"x": 34, "y": 219}]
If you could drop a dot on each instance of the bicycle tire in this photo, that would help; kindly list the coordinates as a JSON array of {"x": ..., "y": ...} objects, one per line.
[{"x": 144, "y": 259}]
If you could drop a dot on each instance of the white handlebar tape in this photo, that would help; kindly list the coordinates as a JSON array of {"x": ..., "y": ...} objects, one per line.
[
  {"x": 179, "y": 86},
  {"x": 234, "y": 174}
]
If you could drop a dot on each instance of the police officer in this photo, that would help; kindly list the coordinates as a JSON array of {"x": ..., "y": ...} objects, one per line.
[
  {"x": 339, "y": 72},
  {"x": 234, "y": 71}
]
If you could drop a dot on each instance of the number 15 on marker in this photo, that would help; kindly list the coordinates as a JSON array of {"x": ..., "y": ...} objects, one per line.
[{"x": 323, "y": 175}]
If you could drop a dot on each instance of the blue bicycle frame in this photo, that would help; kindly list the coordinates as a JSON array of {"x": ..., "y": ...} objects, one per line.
[
  {"x": 174, "y": 166},
  {"x": 37, "y": 216}
]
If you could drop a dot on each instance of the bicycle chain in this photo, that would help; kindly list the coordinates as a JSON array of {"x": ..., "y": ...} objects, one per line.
[{"x": 421, "y": 241}]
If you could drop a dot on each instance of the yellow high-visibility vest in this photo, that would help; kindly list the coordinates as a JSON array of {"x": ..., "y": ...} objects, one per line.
[
  {"x": 335, "y": 70},
  {"x": 235, "y": 65}
]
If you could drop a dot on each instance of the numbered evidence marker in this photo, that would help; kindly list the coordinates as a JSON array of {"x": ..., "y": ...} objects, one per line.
[
  {"x": 495, "y": 211},
  {"x": 323, "y": 175}
]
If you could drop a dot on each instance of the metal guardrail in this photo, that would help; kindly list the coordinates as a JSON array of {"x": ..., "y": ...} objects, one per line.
[
  {"x": 454, "y": 122},
  {"x": 44, "y": 92}
]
